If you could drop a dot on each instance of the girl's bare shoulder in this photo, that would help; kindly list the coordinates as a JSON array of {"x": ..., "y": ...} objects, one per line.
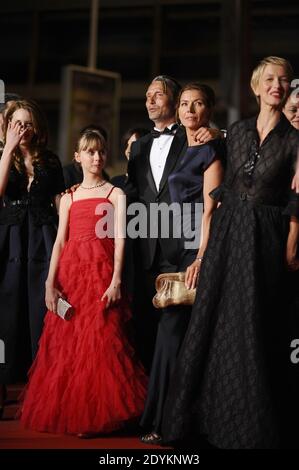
[{"x": 66, "y": 200}]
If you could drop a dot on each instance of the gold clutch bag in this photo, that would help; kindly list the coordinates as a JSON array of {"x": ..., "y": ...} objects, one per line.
[{"x": 171, "y": 290}]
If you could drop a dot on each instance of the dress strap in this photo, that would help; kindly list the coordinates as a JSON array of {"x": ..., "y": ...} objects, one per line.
[
  {"x": 110, "y": 192},
  {"x": 72, "y": 197}
]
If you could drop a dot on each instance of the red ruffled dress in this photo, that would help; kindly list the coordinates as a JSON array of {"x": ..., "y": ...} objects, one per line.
[{"x": 86, "y": 376}]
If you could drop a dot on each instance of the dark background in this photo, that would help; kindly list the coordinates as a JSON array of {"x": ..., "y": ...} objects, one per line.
[{"x": 188, "y": 39}]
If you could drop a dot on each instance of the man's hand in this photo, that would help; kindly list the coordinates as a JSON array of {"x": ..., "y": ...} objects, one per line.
[
  {"x": 204, "y": 134},
  {"x": 14, "y": 135},
  {"x": 72, "y": 189}
]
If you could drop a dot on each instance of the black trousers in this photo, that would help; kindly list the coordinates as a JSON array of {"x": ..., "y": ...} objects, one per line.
[{"x": 172, "y": 323}]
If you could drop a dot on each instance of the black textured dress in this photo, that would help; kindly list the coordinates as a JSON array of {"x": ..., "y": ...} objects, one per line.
[
  {"x": 230, "y": 383},
  {"x": 28, "y": 226}
]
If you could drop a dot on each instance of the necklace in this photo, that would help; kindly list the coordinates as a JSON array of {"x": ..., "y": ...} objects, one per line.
[{"x": 95, "y": 186}]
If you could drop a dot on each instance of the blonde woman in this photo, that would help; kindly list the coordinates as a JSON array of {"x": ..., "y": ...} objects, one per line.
[{"x": 231, "y": 373}]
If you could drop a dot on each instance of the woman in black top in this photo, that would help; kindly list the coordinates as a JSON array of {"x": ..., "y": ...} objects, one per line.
[
  {"x": 31, "y": 180},
  {"x": 231, "y": 374}
]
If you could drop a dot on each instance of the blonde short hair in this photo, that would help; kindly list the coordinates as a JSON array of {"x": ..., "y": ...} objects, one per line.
[{"x": 271, "y": 60}]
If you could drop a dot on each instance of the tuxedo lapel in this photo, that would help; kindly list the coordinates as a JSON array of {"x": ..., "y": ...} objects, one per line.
[{"x": 179, "y": 144}]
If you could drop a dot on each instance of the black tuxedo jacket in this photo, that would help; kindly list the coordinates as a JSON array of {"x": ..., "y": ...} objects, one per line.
[
  {"x": 140, "y": 187},
  {"x": 72, "y": 174}
]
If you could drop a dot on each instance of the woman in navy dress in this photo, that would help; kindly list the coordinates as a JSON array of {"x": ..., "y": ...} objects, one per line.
[
  {"x": 191, "y": 183},
  {"x": 31, "y": 181},
  {"x": 200, "y": 171}
]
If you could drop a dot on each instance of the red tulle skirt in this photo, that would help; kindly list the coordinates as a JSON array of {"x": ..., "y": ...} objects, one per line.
[{"x": 86, "y": 376}]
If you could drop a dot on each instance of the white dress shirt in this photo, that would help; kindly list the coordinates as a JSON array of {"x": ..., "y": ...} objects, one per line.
[{"x": 158, "y": 154}]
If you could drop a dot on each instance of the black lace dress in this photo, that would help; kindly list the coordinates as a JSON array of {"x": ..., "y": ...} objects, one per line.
[
  {"x": 231, "y": 379},
  {"x": 28, "y": 226}
]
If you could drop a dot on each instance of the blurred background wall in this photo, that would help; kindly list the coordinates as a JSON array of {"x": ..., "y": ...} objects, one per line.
[{"x": 217, "y": 42}]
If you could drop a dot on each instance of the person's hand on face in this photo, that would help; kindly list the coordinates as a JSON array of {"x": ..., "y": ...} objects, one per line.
[
  {"x": 20, "y": 130},
  {"x": 14, "y": 134}
]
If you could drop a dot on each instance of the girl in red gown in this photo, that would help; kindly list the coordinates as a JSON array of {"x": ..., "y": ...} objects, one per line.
[{"x": 86, "y": 378}]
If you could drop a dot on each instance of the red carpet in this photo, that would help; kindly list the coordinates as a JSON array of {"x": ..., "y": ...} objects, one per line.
[{"x": 13, "y": 436}]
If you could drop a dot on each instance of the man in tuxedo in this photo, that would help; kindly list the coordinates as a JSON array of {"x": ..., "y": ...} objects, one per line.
[{"x": 153, "y": 157}]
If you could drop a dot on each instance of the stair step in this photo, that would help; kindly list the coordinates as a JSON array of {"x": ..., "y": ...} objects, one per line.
[
  {"x": 14, "y": 391},
  {"x": 12, "y": 401},
  {"x": 10, "y": 411}
]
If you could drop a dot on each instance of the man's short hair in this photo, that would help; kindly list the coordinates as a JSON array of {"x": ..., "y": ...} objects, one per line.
[{"x": 169, "y": 83}]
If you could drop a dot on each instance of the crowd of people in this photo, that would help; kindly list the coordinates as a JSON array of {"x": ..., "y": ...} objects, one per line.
[{"x": 217, "y": 373}]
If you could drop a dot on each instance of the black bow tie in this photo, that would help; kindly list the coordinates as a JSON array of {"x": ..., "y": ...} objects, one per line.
[{"x": 168, "y": 131}]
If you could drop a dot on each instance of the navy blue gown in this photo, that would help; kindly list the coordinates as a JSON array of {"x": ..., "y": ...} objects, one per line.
[
  {"x": 186, "y": 189},
  {"x": 185, "y": 186}
]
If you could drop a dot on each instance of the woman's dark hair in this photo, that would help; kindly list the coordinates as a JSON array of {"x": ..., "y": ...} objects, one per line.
[
  {"x": 139, "y": 131},
  {"x": 206, "y": 91}
]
